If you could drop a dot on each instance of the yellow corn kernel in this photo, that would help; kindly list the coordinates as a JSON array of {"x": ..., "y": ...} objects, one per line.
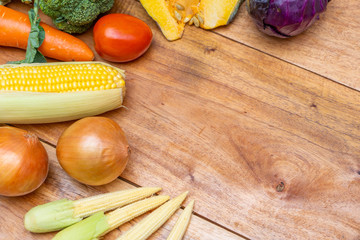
[
  {"x": 154, "y": 221},
  {"x": 47, "y": 75},
  {"x": 59, "y": 214},
  {"x": 179, "y": 229},
  {"x": 50, "y": 92}
]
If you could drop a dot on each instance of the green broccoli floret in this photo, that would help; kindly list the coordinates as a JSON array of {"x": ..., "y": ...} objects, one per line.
[
  {"x": 72, "y": 28},
  {"x": 74, "y": 16}
]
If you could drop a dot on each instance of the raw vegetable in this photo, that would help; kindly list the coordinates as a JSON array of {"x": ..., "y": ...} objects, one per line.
[
  {"x": 99, "y": 224},
  {"x": 179, "y": 229},
  {"x": 23, "y": 162},
  {"x": 59, "y": 214},
  {"x": 35, "y": 39},
  {"x": 44, "y": 93},
  {"x": 154, "y": 221},
  {"x": 93, "y": 150},
  {"x": 74, "y": 16},
  {"x": 171, "y": 16},
  {"x": 285, "y": 18},
  {"x": 15, "y": 28},
  {"x": 121, "y": 38}
]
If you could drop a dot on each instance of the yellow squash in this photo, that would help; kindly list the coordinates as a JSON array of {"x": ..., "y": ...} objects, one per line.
[{"x": 173, "y": 15}]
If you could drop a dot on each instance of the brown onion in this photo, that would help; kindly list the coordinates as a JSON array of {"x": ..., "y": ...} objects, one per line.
[
  {"x": 24, "y": 162},
  {"x": 93, "y": 150}
]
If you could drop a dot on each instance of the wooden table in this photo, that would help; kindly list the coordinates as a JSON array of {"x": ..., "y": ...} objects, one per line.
[{"x": 263, "y": 132}]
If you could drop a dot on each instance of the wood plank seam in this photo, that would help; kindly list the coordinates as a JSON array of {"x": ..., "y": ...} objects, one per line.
[
  {"x": 263, "y": 122},
  {"x": 281, "y": 59}
]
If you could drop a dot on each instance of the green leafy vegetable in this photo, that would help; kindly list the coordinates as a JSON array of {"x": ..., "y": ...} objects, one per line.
[
  {"x": 74, "y": 16},
  {"x": 36, "y": 38}
]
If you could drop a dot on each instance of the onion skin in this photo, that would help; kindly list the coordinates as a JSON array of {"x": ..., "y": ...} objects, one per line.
[
  {"x": 24, "y": 162},
  {"x": 93, "y": 150}
]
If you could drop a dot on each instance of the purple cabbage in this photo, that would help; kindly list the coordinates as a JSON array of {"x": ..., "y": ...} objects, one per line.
[{"x": 285, "y": 18}]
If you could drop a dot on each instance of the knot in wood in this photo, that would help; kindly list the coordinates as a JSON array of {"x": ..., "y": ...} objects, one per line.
[{"x": 280, "y": 187}]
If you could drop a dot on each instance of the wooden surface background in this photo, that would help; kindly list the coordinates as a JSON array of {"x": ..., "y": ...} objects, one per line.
[{"x": 263, "y": 132}]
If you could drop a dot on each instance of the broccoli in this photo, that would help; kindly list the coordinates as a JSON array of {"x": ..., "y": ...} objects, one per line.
[{"x": 74, "y": 16}]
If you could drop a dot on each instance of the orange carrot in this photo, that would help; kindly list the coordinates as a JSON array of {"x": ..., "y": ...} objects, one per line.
[{"x": 14, "y": 32}]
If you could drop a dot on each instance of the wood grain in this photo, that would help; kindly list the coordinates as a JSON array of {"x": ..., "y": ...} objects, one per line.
[
  {"x": 267, "y": 149},
  {"x": 59, "y": 185},
  {"x": 331, "y": 47}
]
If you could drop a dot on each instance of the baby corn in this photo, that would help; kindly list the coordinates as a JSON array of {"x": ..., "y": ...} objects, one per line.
[
  {"x": 179, "y": 229},
  {"x": 154, "y": 221},
  {"x": 59, "y": 214},
  {"x": 54, "y": 92},
  {"x": 99, "y": 224}
]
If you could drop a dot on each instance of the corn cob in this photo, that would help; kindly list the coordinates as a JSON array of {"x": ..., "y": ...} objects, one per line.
[
  {"x": 99, "y": 224},
  {"x": 179, "y": 229},
  {"x": 59, "y": 214},
  {"x": 54, "y": 92},
  {"x": 154, "y": 221}
]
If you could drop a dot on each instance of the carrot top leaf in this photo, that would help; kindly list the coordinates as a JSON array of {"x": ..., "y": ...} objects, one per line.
[{"x": 36, "y": 38}]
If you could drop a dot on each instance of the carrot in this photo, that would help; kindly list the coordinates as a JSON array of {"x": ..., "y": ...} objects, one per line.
[{"x": 14, "y": 32}]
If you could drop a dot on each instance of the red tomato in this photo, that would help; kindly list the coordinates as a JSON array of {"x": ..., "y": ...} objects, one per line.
[{"x": 121, "y": 37}]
